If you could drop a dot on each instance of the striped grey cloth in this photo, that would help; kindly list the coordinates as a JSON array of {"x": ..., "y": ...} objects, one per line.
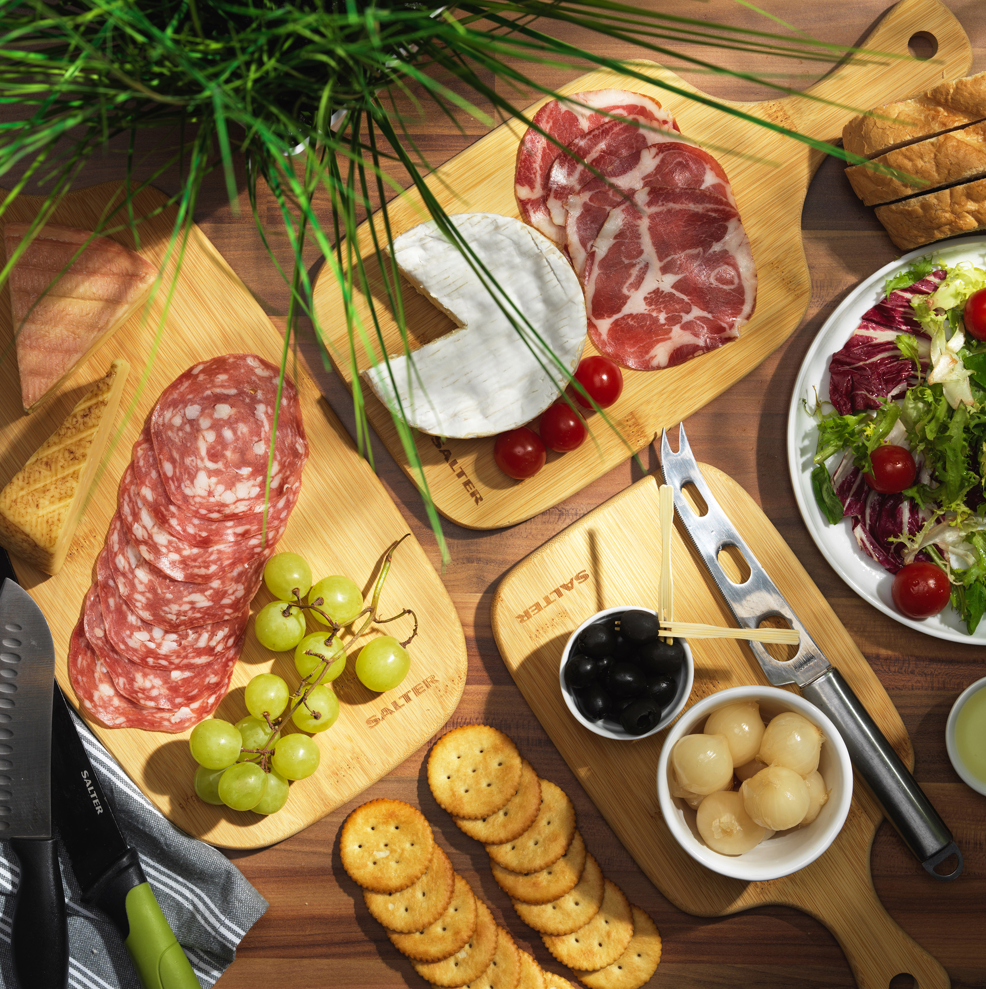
[{"x": 205, "y": 898}]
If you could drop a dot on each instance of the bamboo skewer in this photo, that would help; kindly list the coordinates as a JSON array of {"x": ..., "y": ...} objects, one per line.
[
  {"x": 665, "y": 606},
  {"x": 690, "y": 630}
]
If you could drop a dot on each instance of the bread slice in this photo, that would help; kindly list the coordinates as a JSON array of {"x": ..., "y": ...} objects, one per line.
[
  {"x": 946, "y": 107},
  {"x": 920, "y": 220},
  {"x": 65, "y": 306},
  {"x": 41, "y": 506},
  {"x": 957, "y": 156}
]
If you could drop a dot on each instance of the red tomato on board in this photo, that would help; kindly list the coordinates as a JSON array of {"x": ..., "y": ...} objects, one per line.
[
  {"x": 562, "y": 428},
  {"x": 519, "y": 453},
  {"x": 893, "y": 469},
  {"x": 974, "y": 315},
  {"x": 602, "y": 380},
  {"x": 920, "y": 590}
]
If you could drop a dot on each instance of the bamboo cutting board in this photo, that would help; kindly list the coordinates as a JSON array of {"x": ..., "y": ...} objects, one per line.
[
  {"x": 770, "y": 176},
  {"x": 343, "y": 523},
  {"x": 612, "y": 557}
]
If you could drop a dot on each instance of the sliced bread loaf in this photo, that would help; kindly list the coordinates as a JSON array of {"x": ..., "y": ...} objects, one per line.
[{"x": 920, "y": 220}]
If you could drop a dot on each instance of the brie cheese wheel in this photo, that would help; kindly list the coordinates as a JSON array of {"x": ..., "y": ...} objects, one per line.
[{"x": 491, "y": 374}]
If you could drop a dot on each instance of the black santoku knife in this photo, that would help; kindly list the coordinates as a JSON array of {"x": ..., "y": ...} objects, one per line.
[{"x": 106, "y": 867}]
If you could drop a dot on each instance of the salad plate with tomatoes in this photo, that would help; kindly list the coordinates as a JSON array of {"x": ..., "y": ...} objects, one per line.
[{"x": 887, "y": 440}]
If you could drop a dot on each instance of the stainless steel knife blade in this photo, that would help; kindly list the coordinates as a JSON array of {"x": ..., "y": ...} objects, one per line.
[{"x": 756, "y": 598}]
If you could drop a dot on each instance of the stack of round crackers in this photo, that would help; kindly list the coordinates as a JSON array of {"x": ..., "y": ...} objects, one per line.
[{"x": 539, "y": 859}]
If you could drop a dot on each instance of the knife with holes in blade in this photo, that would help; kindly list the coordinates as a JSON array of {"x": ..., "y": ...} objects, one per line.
[
  {"x": 904, "y": 803},
  {"x": 106, "y": 867}
]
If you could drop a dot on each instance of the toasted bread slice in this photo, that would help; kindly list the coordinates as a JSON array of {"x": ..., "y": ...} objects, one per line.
[
  {"x": 41, "y": 506},
  {"x": 64, "y": 309}
]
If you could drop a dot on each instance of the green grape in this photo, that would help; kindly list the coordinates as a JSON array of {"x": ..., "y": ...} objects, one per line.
[
  {"x": 275, "y": 796},
  {"x": 320, "y": 710},
  {"x": 254, "y": 732},
  {"x": 318, "y": 648},
  {"x": 341, "y": 599},
  {"x": 295, "y": 757},
  {"x": 286, "y": 573},
  {"x": 266, "y": 694},
  {"x": 382, "y": 663},
  {"x": 215, "y": 744},
  {"x": 207, "y": 784},
  {"x": 279, "y": 626},
  {"x": 242, "y": 786}
]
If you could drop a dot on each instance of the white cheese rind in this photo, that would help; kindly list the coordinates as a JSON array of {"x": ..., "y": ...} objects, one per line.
[{"x": 486, "y": 377}]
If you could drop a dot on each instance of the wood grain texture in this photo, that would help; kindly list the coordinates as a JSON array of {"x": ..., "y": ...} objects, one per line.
[
  {"x": 466, "y": 484},
  {"x": 344, "y": 523}
]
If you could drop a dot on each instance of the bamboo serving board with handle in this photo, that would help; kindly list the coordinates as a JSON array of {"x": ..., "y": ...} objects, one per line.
[
  {"x": 612, "y": 557},
  {"x": 769, "y": 173},
  {"x": 344, "y": 522}
]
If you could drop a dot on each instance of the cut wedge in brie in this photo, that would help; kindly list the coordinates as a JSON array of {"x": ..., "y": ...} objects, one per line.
[{"x": 491, "y": 374}]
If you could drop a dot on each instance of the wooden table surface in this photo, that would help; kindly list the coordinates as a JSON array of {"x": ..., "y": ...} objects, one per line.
[{"x": 317, "y": 931}]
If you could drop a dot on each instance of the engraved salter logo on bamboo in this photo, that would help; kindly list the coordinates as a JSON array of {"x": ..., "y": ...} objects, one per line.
[
  {"x": 399, "y": 703},
  {"x": 458, "y": 471},
  {"x": 552, "y": 596}
]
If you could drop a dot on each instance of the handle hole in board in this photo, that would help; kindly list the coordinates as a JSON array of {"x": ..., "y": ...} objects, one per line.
[
  {"x": 694, "y": 500},
  {"x": 903, "y": 980},
  {"x": 734, "y": 564},
  {"x": 922, "y": 46}
]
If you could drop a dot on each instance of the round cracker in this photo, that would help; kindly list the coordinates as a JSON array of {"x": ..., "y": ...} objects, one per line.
[
  {"x": 504, "y": 971},
  {"x": 448, "y": 934},
  {"x": 470, "y": 961},
  {"x": 546, "y": 840},
  {"x": 473, "y": 771},
  {"x": 554, "y": 981},
  {"x": 602, "y": 940},
  {"x": 542, "y": 887},
  {"x": 512, "y": 820},
  {"x": 569, "y": 912},
  {"x": 421, "y": 904},
  {"x": 637, "y": 964},
  {"x": 386, "y": 845},
  {"x": 531, "y": 976}
]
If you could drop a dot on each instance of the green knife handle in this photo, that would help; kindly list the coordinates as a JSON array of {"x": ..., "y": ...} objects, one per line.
[
  {"x": 39, "y": 936},
  {"x": 129, "y": 901}
]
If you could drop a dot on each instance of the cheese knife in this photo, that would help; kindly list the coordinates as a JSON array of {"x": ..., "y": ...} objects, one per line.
[{"x": 904, "y": 803}]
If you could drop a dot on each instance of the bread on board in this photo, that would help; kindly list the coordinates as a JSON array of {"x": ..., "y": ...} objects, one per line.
[
  {"x": 920, "y": 220},
  {"x": 948, "y": 106}
]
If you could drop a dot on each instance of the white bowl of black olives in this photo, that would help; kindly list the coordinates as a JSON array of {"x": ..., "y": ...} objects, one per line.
[{"x": 621, "y": 678}]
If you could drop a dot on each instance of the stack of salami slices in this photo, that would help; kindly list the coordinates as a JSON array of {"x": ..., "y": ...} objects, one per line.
[
  {"x": 165, "y": 620},
  {"x": 648, "y": 220}
]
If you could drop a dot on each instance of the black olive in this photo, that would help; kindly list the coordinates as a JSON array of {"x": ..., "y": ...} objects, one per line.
[
  {"x": 603, "y": 665},
  {"x": 580, "y": 670},
  {"x": 661, "y": 657},
  {"x": 593, "y": 702},
  {"x": 662, "y": 688},
  {"x": 640, "y": 716},
  {"x": 597, "y": 640},
  {"x": 619, "y": 704},
  {"x": 625, "y": 680},
  {"x": 640, "y": 626},
  {"x": 624, "y": 648}
]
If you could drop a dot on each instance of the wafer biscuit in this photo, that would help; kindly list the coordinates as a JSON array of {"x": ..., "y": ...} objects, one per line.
[
  {"x": 569, "y": 912},
  {"x": 637, "y": 964},
  {"x": 548, "y": 884},
  {"x": 531, "y": 976},
  {"x": 602, "y": 940},
  {"x": 470, "y": 961},
  {"x": 513, "y": 819},
  {"x": 421, "y": 904},
  {"x": 473, "y": 771},
  {"x": 546, "y": 840},
  {"x": 504, "y": 971},
  {"x": 386, "y": 845},
  {"x": 448, "y": 934}
]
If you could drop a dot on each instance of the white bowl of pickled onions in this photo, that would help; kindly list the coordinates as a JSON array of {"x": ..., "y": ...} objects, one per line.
[{"x": 754, "y": 782}]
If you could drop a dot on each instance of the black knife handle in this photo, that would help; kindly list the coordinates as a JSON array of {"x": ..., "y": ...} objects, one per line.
[
  {"x": 39, "y": 936},
  {"x": 903, "y": 801}
]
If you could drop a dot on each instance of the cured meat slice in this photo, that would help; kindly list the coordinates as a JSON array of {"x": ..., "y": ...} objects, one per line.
[
  {"x": 190, "y": 528},
  {"x": 104, "y": 703},
  {"x": 212, "y": 430},
  {"x": 176, "y": 605},
  {"x": 564, "y": 122},
  {"x": 150, "y": 645},
  {"x": 670, "y": 276},
  {"x": 671, "y": 164}
]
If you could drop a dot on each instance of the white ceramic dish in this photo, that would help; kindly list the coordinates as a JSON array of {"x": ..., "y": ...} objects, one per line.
[
  {"x": 786, "y": 852},
  {"x": 836, "y": 542},
  {"x": 959, "y": 766},
  {"x": 613, "y": 729}
]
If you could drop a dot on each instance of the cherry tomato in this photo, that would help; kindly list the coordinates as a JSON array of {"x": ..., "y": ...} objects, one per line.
[
  {"x": 920, "y": 590},
  {"x": 975, "y": 314},
  {"x": 519, "y": 452},
  {"x": 602, "y": 380},
  {"x": 893, "y": 469},
  {"x": 562, "y": 428}
]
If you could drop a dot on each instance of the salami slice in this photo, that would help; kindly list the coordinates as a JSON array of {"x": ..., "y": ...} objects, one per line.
[
  {"x": 212, "y": 430},
  {"x": 152, "y": 646},
  {"x": 104, "y": 703},
  {"x": 176, "y": 605}
]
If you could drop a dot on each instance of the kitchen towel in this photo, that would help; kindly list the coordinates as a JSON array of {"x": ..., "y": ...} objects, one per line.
[{"x": 206, "y": 900}]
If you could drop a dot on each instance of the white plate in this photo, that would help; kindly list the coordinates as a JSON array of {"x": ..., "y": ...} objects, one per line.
[{"x": 836, "y": 542}]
